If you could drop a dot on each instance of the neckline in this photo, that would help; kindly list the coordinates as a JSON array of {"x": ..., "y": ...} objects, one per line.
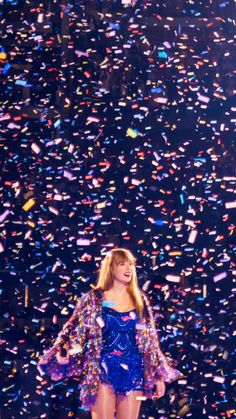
[
  {"x": 120, "y": 312},
  {"x": 102, "y": 300}
]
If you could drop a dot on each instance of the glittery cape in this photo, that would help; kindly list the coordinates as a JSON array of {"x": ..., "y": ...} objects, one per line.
[{"x": 82, "y": 334}]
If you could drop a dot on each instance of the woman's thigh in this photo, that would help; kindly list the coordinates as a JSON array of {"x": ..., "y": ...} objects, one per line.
[
  {"x": 104, "y": 407},
  {"x": 129, "y": 407}
]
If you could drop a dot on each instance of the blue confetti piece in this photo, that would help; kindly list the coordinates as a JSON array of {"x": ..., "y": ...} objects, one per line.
[
  {"x": 57, "y": 123},
  {"x": 108, "y": 303},
  {"x": 159, "y": 222},
  {"x": 182, "y": 199},
  {"x": 23, "y": 83},
  {"x": 114, "y": 26},
  {"x": 202, "y": 159},
  {"x": 162, "y": 54},
  {"x": 6, "y": 68},
  {"x": 156, "y": 90}
]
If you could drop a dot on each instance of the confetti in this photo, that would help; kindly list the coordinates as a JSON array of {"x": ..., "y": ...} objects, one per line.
[
  {"x": 220, "y": 276},
  {"x": 118, "y": 131},
  {"x": 173, "y": 278}
]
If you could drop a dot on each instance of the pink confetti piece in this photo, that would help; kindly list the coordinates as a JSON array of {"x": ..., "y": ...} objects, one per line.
[
  {"x": 192, "y": 236},
  {"x": 83, "y": 242},
  {"x": 203, "y": 98},
  {"x": 100, "y": 321},
  {"x": 220, "y": 276},
  {"x": 173, "y": 278},
  {"x": 230, "y": 205}
]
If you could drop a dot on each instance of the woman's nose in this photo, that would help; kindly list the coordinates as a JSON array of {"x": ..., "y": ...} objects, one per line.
[{"x": 127, "y": 265}]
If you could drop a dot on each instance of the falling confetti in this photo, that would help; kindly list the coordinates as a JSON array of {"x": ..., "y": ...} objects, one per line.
[{"x": 117, "y": 129}]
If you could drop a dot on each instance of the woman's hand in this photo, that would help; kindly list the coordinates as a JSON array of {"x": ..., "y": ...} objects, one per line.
[
  {"x": 160, "y": 389},
  {"x": 60, "y": 359},
  {"x": 42, "y": 360},
  {"x": 63, "y": 359}
]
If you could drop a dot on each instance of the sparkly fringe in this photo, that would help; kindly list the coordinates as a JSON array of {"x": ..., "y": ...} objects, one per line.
[{"x": 83, "y": 328}]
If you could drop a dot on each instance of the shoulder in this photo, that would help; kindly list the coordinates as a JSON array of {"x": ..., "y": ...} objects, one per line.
[
  {"x": 146, "y": 303},
  {"x": 87, "y": 297}
]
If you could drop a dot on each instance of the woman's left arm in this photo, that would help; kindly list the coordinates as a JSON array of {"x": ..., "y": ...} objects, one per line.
[{"x": 164, "y": 372}]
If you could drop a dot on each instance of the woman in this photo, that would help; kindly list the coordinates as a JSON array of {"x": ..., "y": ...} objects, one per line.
[{"x": 111, "y": 343}]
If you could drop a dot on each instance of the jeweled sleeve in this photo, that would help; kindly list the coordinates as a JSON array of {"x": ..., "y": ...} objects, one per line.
[
  {"x": 164, "y": 369},
  {"x": 72, "y": 337}
]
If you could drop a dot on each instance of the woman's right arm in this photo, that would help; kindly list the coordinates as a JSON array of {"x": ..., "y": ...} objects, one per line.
[{"x": 70, "y": 340}]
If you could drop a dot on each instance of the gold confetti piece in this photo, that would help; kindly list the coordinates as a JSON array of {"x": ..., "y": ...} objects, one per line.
[
  {"x": 26, "y": 296},
  {"x": 31, "y": 223},
  {"x": 131, "y": 133},
  {"x": 101, "y": 205},
  {"x": 3, "y": 56},
  {"x": 185, "y": 409},
  {"x": 29, "y": 204},
  {"x": 175, "y": 253}
]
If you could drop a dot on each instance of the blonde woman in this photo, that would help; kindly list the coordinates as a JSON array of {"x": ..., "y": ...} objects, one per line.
[{"x": 111, "y": 343}]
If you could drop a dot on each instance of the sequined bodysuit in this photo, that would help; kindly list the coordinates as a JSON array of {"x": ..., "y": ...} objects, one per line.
[{"x": 121, "y": 362}]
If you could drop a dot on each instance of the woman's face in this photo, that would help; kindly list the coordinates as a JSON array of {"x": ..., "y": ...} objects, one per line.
[{"x": 123, "y": 271}]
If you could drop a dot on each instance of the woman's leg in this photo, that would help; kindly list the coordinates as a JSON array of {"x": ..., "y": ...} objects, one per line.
[
  {"x": 104, "y": 407},
  {"x": 128, "y": 408}
]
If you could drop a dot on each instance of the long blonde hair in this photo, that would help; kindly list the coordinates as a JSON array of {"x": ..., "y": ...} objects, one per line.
[{"x": 105, "y": 277}]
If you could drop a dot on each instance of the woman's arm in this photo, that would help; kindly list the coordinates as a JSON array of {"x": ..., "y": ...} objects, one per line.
[
  {"x": 70, "y": 340},
  {"x": 164, "y": 366}
]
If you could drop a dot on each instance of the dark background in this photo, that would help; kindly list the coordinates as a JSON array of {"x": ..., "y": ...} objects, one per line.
[{"x": 118, "y": 123}]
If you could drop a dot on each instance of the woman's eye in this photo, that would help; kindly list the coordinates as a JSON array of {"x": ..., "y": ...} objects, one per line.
[{"x": 130, "y": 264}]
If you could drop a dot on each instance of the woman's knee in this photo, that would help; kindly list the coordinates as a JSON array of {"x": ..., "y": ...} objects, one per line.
[
  {"x": 128, "y": 407},
  {"x": 104, "y": 407}
]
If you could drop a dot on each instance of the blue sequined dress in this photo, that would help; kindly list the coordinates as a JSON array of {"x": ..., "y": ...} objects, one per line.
[{"x": 121, "y": 362}]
